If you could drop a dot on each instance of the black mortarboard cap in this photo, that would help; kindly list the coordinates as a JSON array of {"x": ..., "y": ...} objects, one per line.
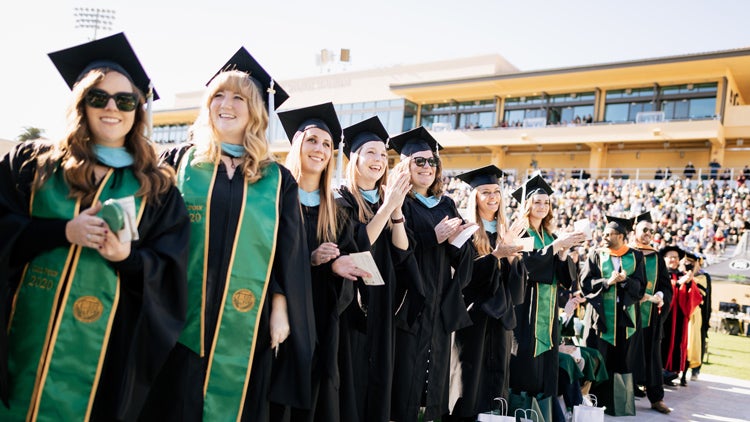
[
  {"x": 112, "y": 52},
  {"x": 322, "y": 116},
  {"x": 534, "y": 185},
  {"x": 363, "y": 132},
  {"x": 244, "y": 62},
  {"x": 414, "y": 140},
  {"x": 692, "y": 256},
  {"x": 622, "y": 225},
  {"x": 663, "y": 251},
  {"x": 482, "y": 176},
  {"x": 646, "y": 216}
]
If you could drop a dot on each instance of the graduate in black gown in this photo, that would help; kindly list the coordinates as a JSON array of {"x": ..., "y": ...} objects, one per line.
[
  {"x": 614, "y": 280},
  {"x": 367, "y": 333},
  {"x": 250, "y": 333},
  {"x": 497, "y": 285},
  {"x": 423, "y": 348},
  {"x": 654, "y": 310},
  {"x": 534, "y": 363},
  {"x": 315, "y": 133},
  {"x": 93, "y": 310}
]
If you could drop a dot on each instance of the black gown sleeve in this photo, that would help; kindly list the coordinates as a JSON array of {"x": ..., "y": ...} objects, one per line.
[{"x": 291, "y": 381}]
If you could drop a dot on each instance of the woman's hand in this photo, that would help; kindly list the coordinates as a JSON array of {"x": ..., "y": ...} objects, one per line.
[
  {"x": 399, "y": 184},
  {"x": 325, "y": 252},
  {"x": 112, "y": 249},
  {"x": 460, "y": 229},
  {"x": 279, "y": 321},
  {"x": 344, "y": 267},
  {"x": 447, "y": 228},
  {"x": 86, "y": 229},
  {"x": 567, "y": 240}
]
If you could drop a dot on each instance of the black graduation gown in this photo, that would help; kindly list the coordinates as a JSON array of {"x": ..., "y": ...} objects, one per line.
[
  {"x": 652, "y": 375},
  {"x": 331, "y": 295},
  {"x": 153, "y": 295},
  {"x": 538, "y": 374},
  {"x": 423, "y": 349},
  {"x": 366, "y": 355},
  {"x": 623, "y": 357},
  {"x": 485, "y": 346},
  {"x": 180, "y": 396}
]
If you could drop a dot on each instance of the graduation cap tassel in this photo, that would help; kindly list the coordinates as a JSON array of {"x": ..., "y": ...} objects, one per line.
[
  {"x": 340, "y": 164},
  {"x": 271, "y": 108},
  {"x": 149, "y": 111}
]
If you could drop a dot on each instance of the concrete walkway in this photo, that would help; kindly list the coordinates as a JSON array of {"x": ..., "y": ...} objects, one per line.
[{"x": 711, "y": 398}]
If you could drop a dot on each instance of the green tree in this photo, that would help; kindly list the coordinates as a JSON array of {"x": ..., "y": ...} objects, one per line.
[{"x": 30, "y": 133}]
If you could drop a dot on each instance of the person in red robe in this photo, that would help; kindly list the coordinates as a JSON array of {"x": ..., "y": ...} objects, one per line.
[{"x": 686, "y": 297}]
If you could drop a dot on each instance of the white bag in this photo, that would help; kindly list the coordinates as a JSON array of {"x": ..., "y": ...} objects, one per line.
[
  {"x": 584, "y": 413},
  {"x": 499, "y": 415},
  {"x": 527, "y": 413}
]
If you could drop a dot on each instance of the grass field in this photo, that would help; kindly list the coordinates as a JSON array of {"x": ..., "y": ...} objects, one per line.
[{"x": 728, "y": 356}]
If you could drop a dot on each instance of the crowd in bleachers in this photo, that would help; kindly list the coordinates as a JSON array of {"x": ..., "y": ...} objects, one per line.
[{"x": 700, "y": 216}]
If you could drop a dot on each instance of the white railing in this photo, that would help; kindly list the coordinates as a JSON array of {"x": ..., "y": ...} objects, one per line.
[{"x": 649, "y": 117}]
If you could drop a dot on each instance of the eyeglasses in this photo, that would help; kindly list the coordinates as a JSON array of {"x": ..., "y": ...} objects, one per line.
[
  {"x": 647, "y": 230},
  {"x": 420, "y": 161},
  {"x": 125, "y": 101}
]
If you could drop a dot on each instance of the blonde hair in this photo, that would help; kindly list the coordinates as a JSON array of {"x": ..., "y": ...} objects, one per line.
[
  {"x": 75, "y": 151},
  {"x": 327, "y": 216},
  {"x": 480, "y": 238},
  {"x": 365, "y": 214},
  {"x": 257, "y": 152}
]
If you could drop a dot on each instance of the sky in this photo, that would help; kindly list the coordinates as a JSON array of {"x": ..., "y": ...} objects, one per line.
[{"x": 183, "y": 43}]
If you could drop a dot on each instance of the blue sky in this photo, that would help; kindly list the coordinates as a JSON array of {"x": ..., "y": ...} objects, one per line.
[{"x": 182, "y": 43}]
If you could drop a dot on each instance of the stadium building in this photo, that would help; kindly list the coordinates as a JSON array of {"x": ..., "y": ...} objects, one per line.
[{"x": 626, "y": 119}]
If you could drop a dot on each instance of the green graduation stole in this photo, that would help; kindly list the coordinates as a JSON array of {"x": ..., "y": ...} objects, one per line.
[
  {"x": 609, "y": 296},
  {"x": 546, "y": 302},
  {"x": 652, "y": 271},
  {"x": 62, "y": 314},
  {"x": 231, "y": 356}
]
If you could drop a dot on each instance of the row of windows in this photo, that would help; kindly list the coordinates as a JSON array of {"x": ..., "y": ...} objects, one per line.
[{"x": 687, "y": 101}]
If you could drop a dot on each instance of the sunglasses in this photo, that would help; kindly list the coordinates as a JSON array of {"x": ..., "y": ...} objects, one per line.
[
  {"x": 125, "y": 101},
  {"x": 420, "y": 161},
  {"x": 647, "y": 230}
]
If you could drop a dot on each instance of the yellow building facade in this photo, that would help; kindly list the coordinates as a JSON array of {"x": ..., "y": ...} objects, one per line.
[{"x": 628, "y": 118}]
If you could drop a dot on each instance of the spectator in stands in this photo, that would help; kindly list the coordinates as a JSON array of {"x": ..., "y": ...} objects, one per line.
[
  {"x": 715, "y": 166},
  {"x": 689, "y": 170}
]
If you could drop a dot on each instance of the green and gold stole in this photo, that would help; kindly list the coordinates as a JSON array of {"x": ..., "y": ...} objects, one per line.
[
  {"x": 62, "y": 314},
  {"x": 609, "y": 296},
  {"x": 230, "y": 359},
  {"x": 546, "y": 301},
  {"x": 652, "y": 272}
]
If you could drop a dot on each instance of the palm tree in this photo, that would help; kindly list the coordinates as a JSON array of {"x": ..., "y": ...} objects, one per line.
[{"x": 30, "y": 133}]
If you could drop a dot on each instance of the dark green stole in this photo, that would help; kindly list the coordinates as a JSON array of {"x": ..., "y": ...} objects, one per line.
[
  {"x": 609, "y": 296},
  {"x": 546, "y": 301},
  {"x": 652, "y": 271},
  {"x": 231, "y": 357},
  {"x": 62, "y": 314}
]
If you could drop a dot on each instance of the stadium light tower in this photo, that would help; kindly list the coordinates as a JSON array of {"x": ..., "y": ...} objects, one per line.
[{"x": 94, "y": 18}]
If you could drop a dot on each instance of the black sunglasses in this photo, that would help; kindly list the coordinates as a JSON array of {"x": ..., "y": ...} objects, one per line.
[
  {"x": 125, "y": 101},
  {"x": 647, "y": 230},
  {"x": 420, "y": 161}
]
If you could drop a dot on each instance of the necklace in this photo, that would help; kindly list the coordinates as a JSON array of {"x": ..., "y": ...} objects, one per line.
[{"x": 231, "y": 160}]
